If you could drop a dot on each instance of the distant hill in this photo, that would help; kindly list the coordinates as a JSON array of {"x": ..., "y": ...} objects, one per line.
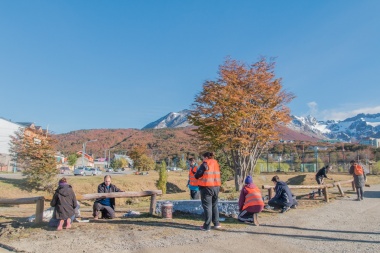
[{"x": 160, "y": 143}]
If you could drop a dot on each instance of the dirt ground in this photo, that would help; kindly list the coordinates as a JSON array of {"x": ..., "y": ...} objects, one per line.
[{"x": 343, "y": 225}]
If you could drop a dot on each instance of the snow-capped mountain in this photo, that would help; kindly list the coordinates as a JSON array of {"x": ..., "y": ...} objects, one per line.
[
  {"x": 351, "y": 129},
  {"x": 171, "y": 120}
]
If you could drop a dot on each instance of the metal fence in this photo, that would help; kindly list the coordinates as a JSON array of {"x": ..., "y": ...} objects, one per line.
[{"x": 313, "y": 161}]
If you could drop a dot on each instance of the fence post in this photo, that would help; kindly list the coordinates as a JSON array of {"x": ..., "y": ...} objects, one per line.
[
  {"x": 353, "y": 185},
  {"x": 40, "y": 210}
]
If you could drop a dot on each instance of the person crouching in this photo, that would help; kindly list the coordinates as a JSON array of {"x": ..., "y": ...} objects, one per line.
[{"x": 250, "y": 202}]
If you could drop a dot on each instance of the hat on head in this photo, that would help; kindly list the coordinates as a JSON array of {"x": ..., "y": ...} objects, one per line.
[{"x": 248, "y": 180}]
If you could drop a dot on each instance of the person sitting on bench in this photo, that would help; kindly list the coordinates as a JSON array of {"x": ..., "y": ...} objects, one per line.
[{"x": 105, "y": 206}]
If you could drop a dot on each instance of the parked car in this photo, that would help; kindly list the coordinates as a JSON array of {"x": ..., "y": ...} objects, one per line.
[
  {"x": 96, "y": 171},
  {"x": 109, "y": 170},
  {"x": 83, "y": 171},
  {"x": 65, "y": 170}
]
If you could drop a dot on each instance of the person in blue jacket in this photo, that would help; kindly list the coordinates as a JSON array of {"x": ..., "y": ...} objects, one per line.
[{"x": 283, "y": 199}]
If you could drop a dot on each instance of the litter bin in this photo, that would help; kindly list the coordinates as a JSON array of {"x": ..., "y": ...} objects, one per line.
[{"x": 167, "y": 210}]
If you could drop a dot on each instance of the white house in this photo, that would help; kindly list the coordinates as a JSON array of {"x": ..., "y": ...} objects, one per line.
[{"x": 7, "y": 128}]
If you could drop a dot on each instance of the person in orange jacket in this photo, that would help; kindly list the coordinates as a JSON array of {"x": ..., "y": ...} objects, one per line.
[
  {"x": 250, "y": 202},
  {"x": 360, "y": 178},
  {"x": 208, "y": 175}
]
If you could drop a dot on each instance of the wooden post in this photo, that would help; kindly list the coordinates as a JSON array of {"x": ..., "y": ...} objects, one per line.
[
  {"x": 152, "y": 208},
  {"x": 340, "y": 189},
  {"x": 40, "y": 210},
  {"x": 353, "y": 185},
  {"x": 270, "y": 192},
  {"x": 326, "y": 193}
]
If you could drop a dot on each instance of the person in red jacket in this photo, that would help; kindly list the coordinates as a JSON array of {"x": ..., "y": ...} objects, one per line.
[
  {"x": 208, "y": 175},
  {"x": 250, "y": 202}
]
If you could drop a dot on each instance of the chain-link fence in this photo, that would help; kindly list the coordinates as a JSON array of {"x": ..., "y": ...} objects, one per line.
[{"x": 313, "y": 161}]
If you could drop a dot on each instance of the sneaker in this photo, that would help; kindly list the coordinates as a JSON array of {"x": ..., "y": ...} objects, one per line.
[
  {"x": 203, "y": 229},
  {"x": 96, "y": 217},
  {"x": 294, "y": 207},
  {"x": 285, "y": 209},
  {"x": 218, "y": 227}
]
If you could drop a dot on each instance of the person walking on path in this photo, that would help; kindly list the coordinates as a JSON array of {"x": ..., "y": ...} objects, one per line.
[
  {"x": 208, "y": 175},
  {"x": 105, "y": 206},
  {"x": 64, "y": 203},
  {"x": 193, "y": 182},
  {"x": 359, "y": 178},
  {"x": 283, "y": 199},
  {"x": 250, "y": 202},
  {"x": 322, "y": 174}
]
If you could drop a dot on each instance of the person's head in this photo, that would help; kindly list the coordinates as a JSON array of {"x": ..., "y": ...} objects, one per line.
[
  {"x": 107, "y": 180},
  {"x": 275, "y": 179},
  {"x": 208, "y": 155},
  {"x": 62, "y": 181},
  {"x": 191, "y": 161},
  {"x": 353, "y": 162},
  {"x": 248, "y": 180},
  {"x": 328, "y": 167}
]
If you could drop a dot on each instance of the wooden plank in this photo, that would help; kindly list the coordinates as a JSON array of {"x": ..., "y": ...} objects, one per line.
[
  {"x": 120, "y": 194},
  {"x": 19, "y": 201},
  {"x": 271, "y": 193},
  {"x": 340, "y": 189}
]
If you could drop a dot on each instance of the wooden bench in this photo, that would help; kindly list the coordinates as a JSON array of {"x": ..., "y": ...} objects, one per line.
[
  {"x": 39, "y": 201},
  {"x": 153, "y": 194},
  {"x": 324, "y": 187}
]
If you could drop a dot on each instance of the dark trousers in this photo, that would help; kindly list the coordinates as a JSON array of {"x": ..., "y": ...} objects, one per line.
[
  {"x": 245, "y": 216},
  {"x": 319, "y": 181},
  {"x": 209, "y": 199},
  {"x": 106, "y": 211},
  {"x": 194, "y": 194},
  {"x": 277, "y": 204}
]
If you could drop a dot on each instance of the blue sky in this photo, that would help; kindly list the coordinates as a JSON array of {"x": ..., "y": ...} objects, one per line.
[{"x": 70, "y": 65}]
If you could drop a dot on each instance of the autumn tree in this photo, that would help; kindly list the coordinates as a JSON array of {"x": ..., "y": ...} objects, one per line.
[
  {"x": 145, "y": 163},
  {"x": 72, "y": 159},
  {"x": 34, "y": 152},
  {"x": 240, "y": 112}
]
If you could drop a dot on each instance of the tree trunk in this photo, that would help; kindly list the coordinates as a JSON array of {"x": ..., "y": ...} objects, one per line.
[{"x": 238, "y": 178}]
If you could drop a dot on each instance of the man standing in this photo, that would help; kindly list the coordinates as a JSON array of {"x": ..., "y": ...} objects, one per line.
[
  {"x": 105, "y": 206},
  {"x": 208, "y": 175},
  {"x": 322, "y": 174},
  {"x": 193, "y": 182},
  {"x": 283, "y": 199}
]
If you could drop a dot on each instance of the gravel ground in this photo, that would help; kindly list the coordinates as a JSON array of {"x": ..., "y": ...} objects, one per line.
[{"x": 344, "y": 225}]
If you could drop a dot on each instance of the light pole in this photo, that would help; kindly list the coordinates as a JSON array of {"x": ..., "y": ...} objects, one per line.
[{"x": 84, "y": 150}]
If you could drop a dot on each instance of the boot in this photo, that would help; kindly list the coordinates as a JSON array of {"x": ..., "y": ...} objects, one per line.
[
  {"x": 255, "y": 220},
  {"x": 60, "y": 224}
]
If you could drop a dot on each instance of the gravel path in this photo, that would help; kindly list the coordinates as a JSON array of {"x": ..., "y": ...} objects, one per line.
[{"x": 344, "y": 225}]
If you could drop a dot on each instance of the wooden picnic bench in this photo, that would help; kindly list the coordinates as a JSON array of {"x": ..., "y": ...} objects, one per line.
[
  {"x": 153, "y": 194},
  {"x": 39, "y": 201},
  {"x": 324, "y": 187}
]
